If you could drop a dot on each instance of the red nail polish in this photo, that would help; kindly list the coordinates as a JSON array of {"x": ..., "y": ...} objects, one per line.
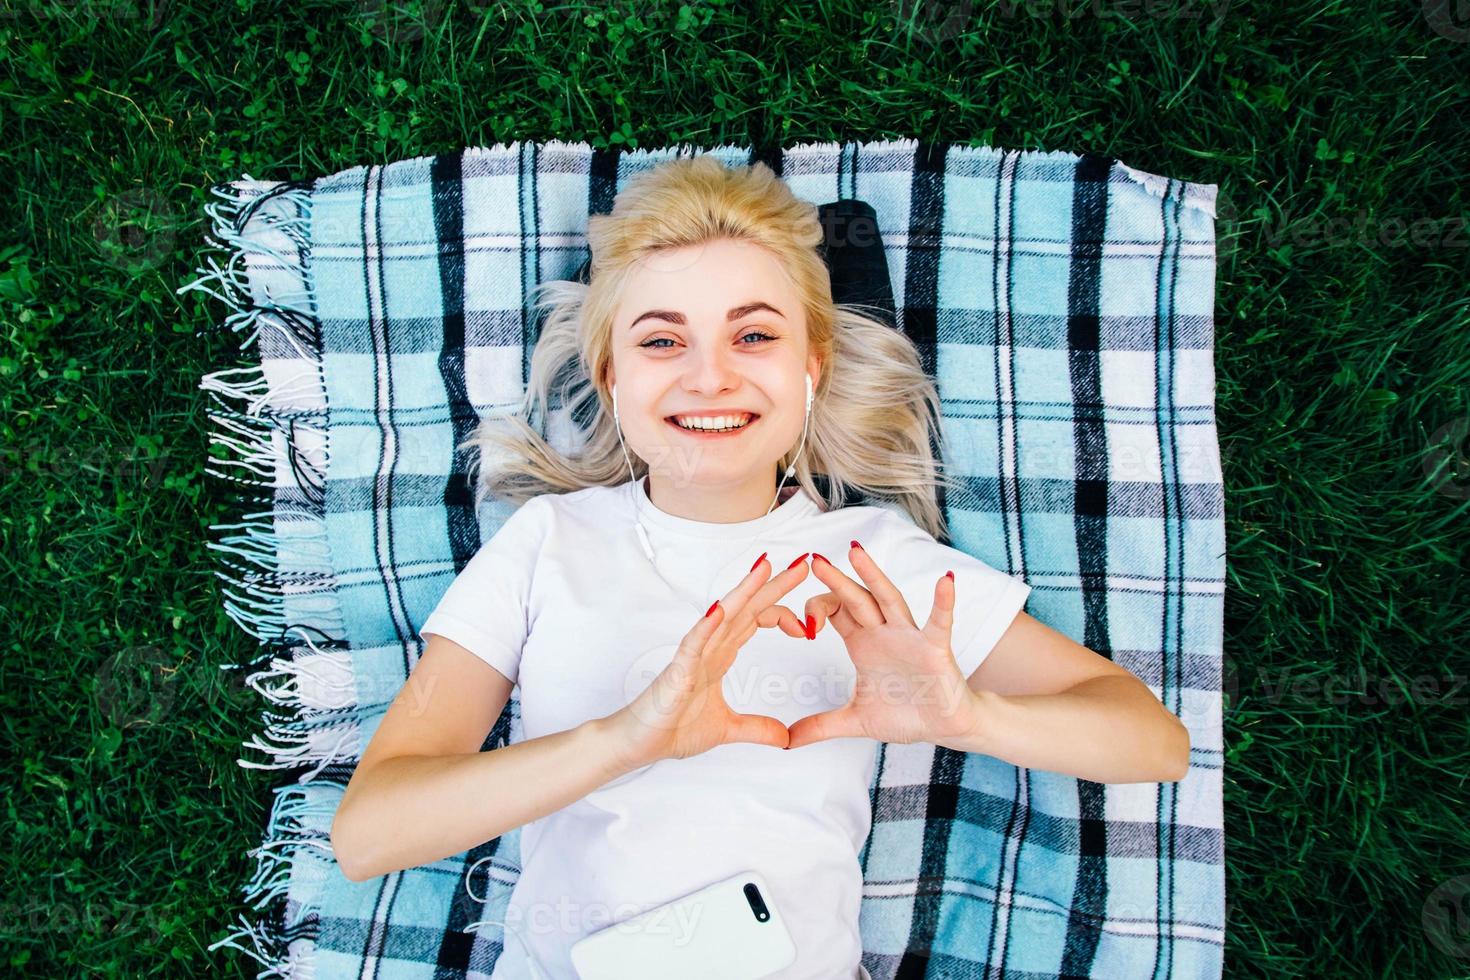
[
  {"x": 951, "y": 575},
  {"x": 856, "y": 545},
  {"x": 811, "y": 627},
  {"x": 759, "y": 560},
  {"x": 820, "y": 557},
  {"x": 799, "y": 559},
  {"x": 711, "y": 608}
]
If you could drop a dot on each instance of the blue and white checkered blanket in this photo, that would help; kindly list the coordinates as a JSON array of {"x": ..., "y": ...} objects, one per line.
[{"x": 1064, "y": 303}]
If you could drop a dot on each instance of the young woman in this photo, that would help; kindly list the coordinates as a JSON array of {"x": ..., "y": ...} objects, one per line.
[{"x": 670, "y": 741}]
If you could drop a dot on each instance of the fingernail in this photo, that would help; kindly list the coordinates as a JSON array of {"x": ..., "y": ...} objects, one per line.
[
  {"x": 759, "y": 560},
  {"x": 821, "y": 557},
  {"x": 951, "y": 575},
  {"x": 799, "y": 559},
  {"x": 811, "y": 627},
  {"x": 856, "y": 545},
  {"x": 711, "y": 608}
]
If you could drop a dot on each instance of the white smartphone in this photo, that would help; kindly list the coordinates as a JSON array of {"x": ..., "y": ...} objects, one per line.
[{"x": 730, "y": 930}]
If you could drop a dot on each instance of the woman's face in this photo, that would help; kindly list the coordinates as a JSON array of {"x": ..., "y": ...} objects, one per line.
[{"x": 711, "y": 330}]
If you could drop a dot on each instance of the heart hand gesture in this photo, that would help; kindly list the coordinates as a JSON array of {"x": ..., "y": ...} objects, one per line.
[
  {"x": 683, "y": 712},
  {"x": 908, "y": 686}
]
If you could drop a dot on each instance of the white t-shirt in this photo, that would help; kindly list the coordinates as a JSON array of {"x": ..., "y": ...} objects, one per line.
[{"x": 562, "y": 600}]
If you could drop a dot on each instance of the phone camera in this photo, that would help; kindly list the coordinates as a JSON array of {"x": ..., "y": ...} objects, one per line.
[{"x": 757, "y": 904}]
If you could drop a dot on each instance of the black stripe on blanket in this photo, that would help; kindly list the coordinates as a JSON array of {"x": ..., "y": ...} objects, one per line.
[
  {"x": 375, "y": 302},
  {"x": 1002, "y": 294},
  {"x": 387, "y": 884},
  {"x": 920, "y": 324},
  {"x": 602, "y": 180},
  {"x": 447, "y": 188},
  {"x": 447, "y": 183},
  {"x": 771, "y": 156},
  {"x": 857, "y": 263},
  {"x": 1084, "y": 342},
  {"x": 1172, "y": 640}
]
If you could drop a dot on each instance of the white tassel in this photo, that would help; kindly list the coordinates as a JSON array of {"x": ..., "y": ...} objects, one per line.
[{"x": 262, "y": 282}]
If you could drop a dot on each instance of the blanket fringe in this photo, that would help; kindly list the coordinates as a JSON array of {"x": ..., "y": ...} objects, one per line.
[
  {"x": 1202, "y": 196},
  {"x": 323, "y": 725},
  {"x": 295, "y": 856},
  {"x": 269, "y": 439}
]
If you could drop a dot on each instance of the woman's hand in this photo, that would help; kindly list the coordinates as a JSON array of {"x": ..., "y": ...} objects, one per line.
[
  {"x": 908, "y": 687},
  {"x": 683, "y": 711}
]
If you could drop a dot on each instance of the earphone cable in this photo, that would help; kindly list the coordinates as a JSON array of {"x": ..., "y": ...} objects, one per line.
[
  {"x": 638, "y": 524},
  {"x": 525, "y": 946}
]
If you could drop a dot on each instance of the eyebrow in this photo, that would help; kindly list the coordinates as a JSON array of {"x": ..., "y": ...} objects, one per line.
[{"x": 674, "y": 316}]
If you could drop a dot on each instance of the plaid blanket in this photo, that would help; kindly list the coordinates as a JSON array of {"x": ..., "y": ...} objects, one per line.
[{"x": 1064, "y": 303}]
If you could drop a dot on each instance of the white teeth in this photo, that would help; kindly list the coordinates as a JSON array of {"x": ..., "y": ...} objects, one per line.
[{"x": 714, "y": 422}]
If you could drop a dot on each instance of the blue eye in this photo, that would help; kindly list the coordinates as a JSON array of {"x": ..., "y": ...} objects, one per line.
[{"x": 754, "y": 333}]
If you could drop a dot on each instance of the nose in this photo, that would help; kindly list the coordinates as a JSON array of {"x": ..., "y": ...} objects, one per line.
[{"x": 712, "y": 373}]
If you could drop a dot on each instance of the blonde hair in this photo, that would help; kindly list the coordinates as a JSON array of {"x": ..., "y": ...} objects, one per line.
[{"x": 874, "y": 410}]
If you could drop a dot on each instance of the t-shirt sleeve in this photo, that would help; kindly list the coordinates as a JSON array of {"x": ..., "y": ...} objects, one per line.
[
  {"x": 486, "y": 609},
  {"x": 987, "y": 600}
]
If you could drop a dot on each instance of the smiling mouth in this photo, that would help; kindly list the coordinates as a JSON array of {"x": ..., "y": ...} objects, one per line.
[{"x": 713, "y": 432}]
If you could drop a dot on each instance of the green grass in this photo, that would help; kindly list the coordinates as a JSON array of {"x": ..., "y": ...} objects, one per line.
[{"x": 1340, "y": 353}]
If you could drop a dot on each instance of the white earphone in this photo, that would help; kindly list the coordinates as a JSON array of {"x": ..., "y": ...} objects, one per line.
[
  {"x": 507, "y": 928},
  {"x": 790, "y": 470}
]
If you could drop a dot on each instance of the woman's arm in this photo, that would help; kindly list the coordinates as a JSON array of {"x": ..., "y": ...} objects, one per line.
[
  {"x": 412, "y": 810},
  {"x": 1044, "y": 701},
  {"x": 1039, "y": 699},
  {"x": 424, "y": 790},
  {"x": 1107, "y": 729}
]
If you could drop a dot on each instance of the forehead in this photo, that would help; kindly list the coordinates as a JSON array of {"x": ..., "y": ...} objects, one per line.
[{"x": 707, "y": 279}]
